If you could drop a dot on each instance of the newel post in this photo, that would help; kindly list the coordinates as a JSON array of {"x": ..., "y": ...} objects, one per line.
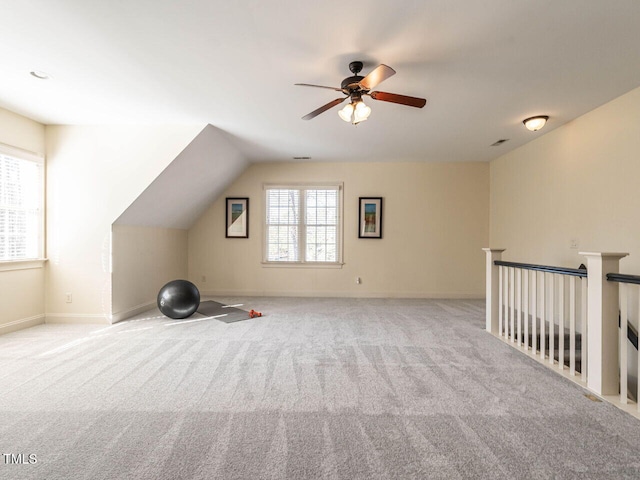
[
  {"x": 602, "y": 322},
  {"x": 493, "y": 288}
]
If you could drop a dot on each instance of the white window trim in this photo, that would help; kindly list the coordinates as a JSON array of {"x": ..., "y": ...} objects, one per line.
[
  {"x": 340, "y": 235},
  {"x": 11, "y": 265},
  {"x": 29, "y": 263}
]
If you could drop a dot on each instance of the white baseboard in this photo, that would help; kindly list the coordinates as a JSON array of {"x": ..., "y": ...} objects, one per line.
[
  {"x": 341, "y": 294},
  {"x": 98, "y": 318},
  {"x": 79, "y": 318},
  {"x": 22, "y": 323},
  {"x": 119, "y": 316}
]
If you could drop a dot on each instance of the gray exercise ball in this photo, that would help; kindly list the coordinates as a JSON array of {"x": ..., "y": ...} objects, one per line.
[{"x": 179, "y": 299}]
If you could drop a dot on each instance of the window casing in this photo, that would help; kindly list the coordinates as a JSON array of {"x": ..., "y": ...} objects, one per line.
[
  {"x": 21, "y": 205},
  {"x": 303, "y": 225}
]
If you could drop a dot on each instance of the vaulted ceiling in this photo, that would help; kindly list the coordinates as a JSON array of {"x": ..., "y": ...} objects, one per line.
[
  {"x": 483, "y": 67},
  {"x": 191, "y": 182}
]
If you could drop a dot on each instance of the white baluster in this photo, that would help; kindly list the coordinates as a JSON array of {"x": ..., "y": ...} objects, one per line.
[
  {"x": 507, "y": 309},
  {"x": 534, "y": 312},
  {"x": 500, "y": 300},
  {"x": 572, "y": 325},
  {"x": 513, "y": 304},
  {"x": 561, "y": 282},
  {"x": 623, "y": 342},
  {"x": 543, "y": 315},
  {"x": 584, "y": 332},
  {"x": 519, "y": 305},
  {"x": 552, "y": 325},
  {"x": 525, "y": 292}
]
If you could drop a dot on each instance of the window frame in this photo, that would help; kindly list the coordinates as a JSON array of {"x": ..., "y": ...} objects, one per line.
[
  {"x": 39, "y": 159},
  {"x": 302, "y": 243}
]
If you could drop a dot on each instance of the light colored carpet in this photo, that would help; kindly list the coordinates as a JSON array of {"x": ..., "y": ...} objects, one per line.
[{"x": 317, "y": 388}]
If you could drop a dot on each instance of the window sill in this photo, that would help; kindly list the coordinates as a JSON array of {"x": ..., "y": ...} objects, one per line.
[
  {"x": 10, "y": 265},
  {"x": 301, "y": 265}
]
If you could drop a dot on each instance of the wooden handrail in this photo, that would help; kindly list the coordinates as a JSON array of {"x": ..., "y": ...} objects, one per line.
[
  {"x": 623, "y": 278},
  {"x": 576, "y": 272}
]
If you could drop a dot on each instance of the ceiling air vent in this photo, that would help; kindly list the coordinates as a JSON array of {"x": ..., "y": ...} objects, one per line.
[
  {"x": 500, "y": 142},
  {"x": 302, "y": 158}
]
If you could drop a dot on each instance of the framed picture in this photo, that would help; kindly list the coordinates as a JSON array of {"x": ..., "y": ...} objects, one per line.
[
  {"x": 370, "y": 217},
  {"x": 237, "y": 218}
]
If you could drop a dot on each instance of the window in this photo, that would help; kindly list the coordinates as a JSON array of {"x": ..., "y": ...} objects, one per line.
[
  {"x": 303, "y": 224},
  {"x": 21, "y": 205}
]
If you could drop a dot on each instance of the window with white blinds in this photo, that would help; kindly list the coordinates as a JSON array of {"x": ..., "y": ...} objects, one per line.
[
  {"x": 303, "y": 224},
  {"x": 21, "y": 206}
]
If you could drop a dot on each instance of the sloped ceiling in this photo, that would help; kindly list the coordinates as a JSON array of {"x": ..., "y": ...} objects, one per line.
[
  {"x": 184, "y": 190},
  {"x": 483, "y": 66}
]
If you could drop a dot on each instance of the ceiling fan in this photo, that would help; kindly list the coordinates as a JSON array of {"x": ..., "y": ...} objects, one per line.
[{"x": 355, "y": 87}]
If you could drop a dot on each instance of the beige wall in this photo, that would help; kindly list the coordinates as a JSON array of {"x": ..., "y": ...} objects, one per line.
[
  {"x": 144, "y": 259},
  {"x": 435, "y": 223},
  {"x": 23, "y": 291},
  {"x": 579, "y": 182},
  {"x": 21, "y": 132},
  {"x": 94, "y": 173}
]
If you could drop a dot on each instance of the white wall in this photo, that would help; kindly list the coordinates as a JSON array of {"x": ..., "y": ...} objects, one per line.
[
  {"x": 23, "y": 291},
  {"x": 94, "y": 173},
  {"x": 436, "y": 218},
  {"x": 186, "y": 188},
  {"x": 580, "y": 181},
  {"x": 147, "y": 258}
]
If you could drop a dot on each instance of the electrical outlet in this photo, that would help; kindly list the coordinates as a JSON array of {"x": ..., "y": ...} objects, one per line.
[
  {"x": 358, "y": 281},
  {"x": 69, "y": 297},
  {"x": 574, "y": 243}
]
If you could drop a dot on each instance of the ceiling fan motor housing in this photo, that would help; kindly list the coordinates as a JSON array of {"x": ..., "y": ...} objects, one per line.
[
  {"x": 356, "y": 67},
  {"x": 350, "y": 84}
]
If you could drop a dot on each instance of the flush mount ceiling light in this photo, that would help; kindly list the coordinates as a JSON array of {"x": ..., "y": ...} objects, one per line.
[
  {"x": 40, "y": 74},
  {"x": 535, "y": 123}
]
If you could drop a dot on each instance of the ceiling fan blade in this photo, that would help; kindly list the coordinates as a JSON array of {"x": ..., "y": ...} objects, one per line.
[
  {"x": 376, "y": 76},
  {"x": 401, "y": 99},
  {"x": 318, "y": 86},
  {"x": 324, "y": 108}
]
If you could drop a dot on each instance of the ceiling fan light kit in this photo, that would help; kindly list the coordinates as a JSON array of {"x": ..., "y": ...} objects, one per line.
[
  {"x": 535, "y": 123},
  {"x": 355, "y": 112},
  {"x": 346, "y": 112},
  {"x": 355, "y": 87},
  {"x": 361, "y": 112}
]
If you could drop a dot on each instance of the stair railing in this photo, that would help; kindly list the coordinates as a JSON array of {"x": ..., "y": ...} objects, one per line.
[
  {"x": 538, "y": 301},
  {"x": 524, "y": 301},
  {"x": 625, "y": 284}
]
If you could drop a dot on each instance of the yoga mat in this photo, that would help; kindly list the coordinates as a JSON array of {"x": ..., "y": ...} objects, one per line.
[{"x": 214, "y": 309}]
